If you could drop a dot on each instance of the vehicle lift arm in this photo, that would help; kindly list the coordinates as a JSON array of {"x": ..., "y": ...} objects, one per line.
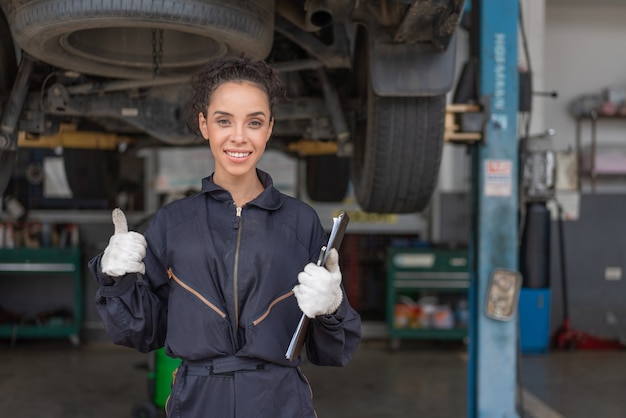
[{"x": 493, "y": 348}]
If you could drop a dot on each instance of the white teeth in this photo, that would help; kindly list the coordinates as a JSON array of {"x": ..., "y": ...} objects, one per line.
[{"x": 238, "y": 154}]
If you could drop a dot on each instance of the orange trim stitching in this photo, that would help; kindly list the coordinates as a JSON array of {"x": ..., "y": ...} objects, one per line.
[
  {"x": 194, "y": 292},
  {"x": 267, "y": 312}
]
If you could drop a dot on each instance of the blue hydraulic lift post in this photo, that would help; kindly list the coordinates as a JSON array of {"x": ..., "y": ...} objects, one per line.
[{"x": 492, "y": 373}]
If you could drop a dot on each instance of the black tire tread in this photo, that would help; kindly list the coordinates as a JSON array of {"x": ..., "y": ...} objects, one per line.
[
  {"x": 244, "y": 26},
  {"x": 401, "y": 128}
]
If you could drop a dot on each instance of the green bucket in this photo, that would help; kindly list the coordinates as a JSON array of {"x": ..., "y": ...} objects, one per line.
[{"x": 164, "y": 366}]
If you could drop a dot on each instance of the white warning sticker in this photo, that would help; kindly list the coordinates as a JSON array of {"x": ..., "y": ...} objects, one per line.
[{"x": 498, "y": 178}]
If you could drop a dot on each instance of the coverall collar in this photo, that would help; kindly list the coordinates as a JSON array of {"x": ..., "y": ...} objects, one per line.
[{"x": 269, "y": 199}]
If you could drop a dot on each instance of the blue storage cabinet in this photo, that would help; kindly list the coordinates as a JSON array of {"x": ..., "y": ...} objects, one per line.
[{"x": 534, "y": 317}]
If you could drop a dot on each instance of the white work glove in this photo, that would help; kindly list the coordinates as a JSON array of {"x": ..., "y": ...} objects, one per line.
[
  {"x": 125, "y": 251},
  {"x": 319, "y": 291}
]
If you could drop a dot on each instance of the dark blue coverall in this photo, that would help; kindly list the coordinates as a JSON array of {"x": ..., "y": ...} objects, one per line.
[{"x": 218, "y": 294}]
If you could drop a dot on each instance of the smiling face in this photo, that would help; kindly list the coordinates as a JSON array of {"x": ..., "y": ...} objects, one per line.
[{"x": 238, "y": 124}]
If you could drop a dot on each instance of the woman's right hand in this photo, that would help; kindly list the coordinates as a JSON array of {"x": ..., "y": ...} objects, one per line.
[{"x": 125, "y": 251}]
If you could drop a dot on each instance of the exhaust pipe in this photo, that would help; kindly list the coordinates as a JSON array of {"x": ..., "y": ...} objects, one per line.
[{"x": 316, "y": 13}]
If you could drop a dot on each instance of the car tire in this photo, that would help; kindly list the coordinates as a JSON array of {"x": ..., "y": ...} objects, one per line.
[
  {"x": 92, "y": 174},
  {"x": 327, "y": 178},
  {"x": 116, "y": 38},
  {"x": 398, "y": 143},
  {"x": 8, "y": 71}
]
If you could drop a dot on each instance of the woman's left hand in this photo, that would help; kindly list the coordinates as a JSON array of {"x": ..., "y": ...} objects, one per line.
[{"x": 319, "y": 291}]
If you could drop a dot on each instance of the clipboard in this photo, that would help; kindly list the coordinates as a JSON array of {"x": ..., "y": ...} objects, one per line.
[{"x": 340, "y": 223}]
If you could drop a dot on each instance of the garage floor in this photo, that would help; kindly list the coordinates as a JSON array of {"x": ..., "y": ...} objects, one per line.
[{"x": 98, "y": 380}]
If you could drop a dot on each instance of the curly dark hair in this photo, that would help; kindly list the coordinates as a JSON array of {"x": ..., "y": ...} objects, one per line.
[{"x": 231, "y": 68}]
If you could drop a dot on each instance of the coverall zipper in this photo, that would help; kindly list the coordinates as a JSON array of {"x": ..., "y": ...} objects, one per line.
[{"x": 235, "y": 274}]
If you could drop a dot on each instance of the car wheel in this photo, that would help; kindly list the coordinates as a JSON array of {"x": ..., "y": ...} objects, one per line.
[
  {"x": 398, "y": 143},
  {"x": 327, "y": 178},
  {"x": 8, "y": 70},
  {"x": 132, "y": 39},
  {"x": 92, "y": 173}
]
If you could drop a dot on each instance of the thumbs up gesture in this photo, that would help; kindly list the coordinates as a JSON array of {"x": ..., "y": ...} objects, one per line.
[{"x": 125, "y": 251}]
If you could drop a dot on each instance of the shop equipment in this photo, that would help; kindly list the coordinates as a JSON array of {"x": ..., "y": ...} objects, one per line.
[
  {"x": 566, "y": 337},
  {"x": 427, "y": 293}
]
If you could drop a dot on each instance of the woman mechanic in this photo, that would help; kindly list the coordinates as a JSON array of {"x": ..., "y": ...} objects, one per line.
[{"x": 221, "y": 278}]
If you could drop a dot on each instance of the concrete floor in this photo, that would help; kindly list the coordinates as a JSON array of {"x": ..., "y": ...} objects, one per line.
[{"x": 52, "y": 379}]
